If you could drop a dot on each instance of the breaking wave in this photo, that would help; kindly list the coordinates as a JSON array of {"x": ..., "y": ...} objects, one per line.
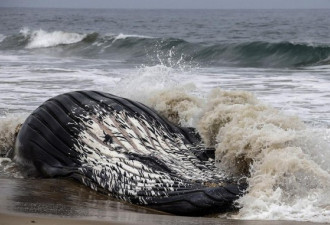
[
  {"x": 43, "y": 39},
  {"x": 144, "y": 49},
  {"x": 285, "y": 161}
]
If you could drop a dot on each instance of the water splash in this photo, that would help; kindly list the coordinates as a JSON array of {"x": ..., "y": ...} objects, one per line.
[
  {"x": 8, "y": 129},
  {"x": 285, "y": 161}
]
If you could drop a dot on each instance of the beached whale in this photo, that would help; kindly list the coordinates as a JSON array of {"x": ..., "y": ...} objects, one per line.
[{"x": 125, "y": 149}]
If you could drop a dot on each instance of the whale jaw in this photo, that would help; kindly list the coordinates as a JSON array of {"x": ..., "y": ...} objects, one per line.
[{"x": 125, "y": 149}]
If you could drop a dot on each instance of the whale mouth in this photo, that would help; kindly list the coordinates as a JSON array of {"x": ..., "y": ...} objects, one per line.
[{"x": 126, "y": 150}]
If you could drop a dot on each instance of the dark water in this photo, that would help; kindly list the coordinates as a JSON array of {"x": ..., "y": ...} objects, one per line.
[
  {"x": 280, "y": 56},
  {"x": 248, "y": 38}
]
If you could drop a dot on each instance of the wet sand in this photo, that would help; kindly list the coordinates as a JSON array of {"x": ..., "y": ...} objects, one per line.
[{"x": 59, "y": 201}]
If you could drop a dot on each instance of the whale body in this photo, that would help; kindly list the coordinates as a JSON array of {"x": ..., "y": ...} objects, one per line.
[{"x": 124, "y": 149}]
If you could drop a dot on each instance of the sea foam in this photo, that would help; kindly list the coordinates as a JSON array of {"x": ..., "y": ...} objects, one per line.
[
  {"x": 125, "y": 36},
  {"x": 44, "y": 39},
  {"x": 285, "y": 162},
  {"x": 8, "y": 128}
]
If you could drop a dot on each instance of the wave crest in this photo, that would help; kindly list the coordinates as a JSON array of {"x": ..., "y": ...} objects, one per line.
[
  {"x": 154, "y": 50},
  {"x": 44, "y": 39}
]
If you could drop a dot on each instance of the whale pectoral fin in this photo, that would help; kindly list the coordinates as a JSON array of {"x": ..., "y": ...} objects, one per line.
[
  {"x": 158, "y": 190},
  {"x": 48, "y": 171},
  {"x": 199, "y": 201}
]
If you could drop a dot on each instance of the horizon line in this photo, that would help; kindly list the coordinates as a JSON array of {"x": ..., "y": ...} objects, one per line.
[{"x": 104, "y": 8}]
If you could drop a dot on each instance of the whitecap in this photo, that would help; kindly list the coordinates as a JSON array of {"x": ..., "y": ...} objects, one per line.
[
  {"x": 44, "y": 39},
  {"x": 125, "y": 36}
]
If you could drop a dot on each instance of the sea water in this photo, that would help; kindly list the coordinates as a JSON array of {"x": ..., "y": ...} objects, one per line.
[{"x": 254, "y": 83}]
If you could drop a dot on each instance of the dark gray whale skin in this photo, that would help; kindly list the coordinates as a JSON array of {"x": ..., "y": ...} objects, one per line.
[{"x": 124, "y": 149}]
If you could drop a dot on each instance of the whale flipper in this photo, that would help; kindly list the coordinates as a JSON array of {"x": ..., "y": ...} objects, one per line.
[{"x": 125, "y": 149}]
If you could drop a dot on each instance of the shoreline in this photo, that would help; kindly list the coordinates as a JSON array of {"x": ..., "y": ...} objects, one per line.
[
  {"x": 19, "y": 218},
  {"x": 62, "y": 201},
  {"x": 10, "y": 218}
]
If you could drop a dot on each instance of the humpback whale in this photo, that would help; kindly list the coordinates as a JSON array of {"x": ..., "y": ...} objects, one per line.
[{"x": 124, "y": 149}]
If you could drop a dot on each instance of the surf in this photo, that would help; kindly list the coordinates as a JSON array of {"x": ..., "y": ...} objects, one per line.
[
  {"x": 145, "y": 49},
  {"x": 285, "y": 162}
]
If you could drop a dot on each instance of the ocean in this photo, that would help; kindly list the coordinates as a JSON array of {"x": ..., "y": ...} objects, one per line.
[{"x": 254, "y": 83}]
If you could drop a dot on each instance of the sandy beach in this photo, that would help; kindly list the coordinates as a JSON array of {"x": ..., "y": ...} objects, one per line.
[
  {"x": 8, "y": 219},
  {"x": 59, "y": 201},
  {"x": 14, "y": 219}
]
